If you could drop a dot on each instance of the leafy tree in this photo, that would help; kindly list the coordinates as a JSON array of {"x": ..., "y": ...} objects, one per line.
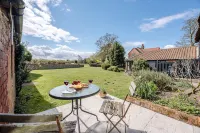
[
  {"x": 104, "y": 43},
  {"x": 117, "y": 53},
  {"x": 190, "y": 28}
]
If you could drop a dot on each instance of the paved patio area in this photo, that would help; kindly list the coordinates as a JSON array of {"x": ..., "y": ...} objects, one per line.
[{"x": 139, "y": 119}]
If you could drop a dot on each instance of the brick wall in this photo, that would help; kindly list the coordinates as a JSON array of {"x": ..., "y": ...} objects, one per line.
[{"x": 7, "y": 91}]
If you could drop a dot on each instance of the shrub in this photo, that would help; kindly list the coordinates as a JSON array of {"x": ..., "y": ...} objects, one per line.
[
  {"x": 139, "y": 64},
  {"x": 183, "y": 84},
  {"x": 147, "y": 90},
  {"x": 162, "y": 81},
  {"x": 121, "y": 69},
  {"x": 95, "y": 65},
  {"x": 22, "y": 56},
  {"x": 182, "y": 103},
  {"x": 105, "y": 66},
  {"x": 113, "y": 68}
]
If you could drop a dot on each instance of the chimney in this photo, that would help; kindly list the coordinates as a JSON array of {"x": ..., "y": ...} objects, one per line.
[{"x": 142, "y": 47}]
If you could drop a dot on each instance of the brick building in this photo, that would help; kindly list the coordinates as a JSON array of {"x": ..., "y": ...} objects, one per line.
[
  {"x": 162, "y": 59},
  {"x": 10, "y": 25}
]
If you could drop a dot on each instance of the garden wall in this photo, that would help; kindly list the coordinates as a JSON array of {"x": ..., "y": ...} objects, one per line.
[
  {"x": 52, "y": 66},
  {"x": 7, "y": 73}
]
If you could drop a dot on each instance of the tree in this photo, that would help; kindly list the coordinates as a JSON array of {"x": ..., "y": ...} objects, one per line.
[
  {"x": 80, "y": 59},
  {"x": 190, "y": 28},
  {"x": 104, "y": 43},
  {"x": 116, "y": 55},
  {"x": 197, "y": 37}
]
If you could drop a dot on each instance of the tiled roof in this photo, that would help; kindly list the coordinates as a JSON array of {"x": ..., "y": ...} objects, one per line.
[
  {"x": 149, "y": 49},
  {"x": 170, "y": 54},
  {"x": 136, "y": 51}
]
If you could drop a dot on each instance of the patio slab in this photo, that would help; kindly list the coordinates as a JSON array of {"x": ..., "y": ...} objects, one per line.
[{"x": 139, "y": 119}]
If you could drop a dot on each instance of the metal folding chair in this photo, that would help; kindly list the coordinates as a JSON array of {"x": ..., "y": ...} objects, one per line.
[{"x": 114, "y": 108}]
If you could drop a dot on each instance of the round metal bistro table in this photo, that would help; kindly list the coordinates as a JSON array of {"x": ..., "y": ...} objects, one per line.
[{"x": 57, "y": 93}]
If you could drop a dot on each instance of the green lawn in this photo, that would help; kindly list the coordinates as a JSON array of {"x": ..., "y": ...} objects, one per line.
[{"x": 35, "y": 98}]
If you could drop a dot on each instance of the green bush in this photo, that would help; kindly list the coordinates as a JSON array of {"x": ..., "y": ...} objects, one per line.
[
  {"x": 162, "y": 81},
  {"x": 22, "y": 56},
  {"x": 121, "y": 69},
  {"x": 105, "y": 66},
  {"x": 181, "y": 103},
  {"x": 113, "y": 68},
  {"x": 140, "y": 64},
  {"x": 183, "y": 84},
  {"x": 147, "y": 90}
]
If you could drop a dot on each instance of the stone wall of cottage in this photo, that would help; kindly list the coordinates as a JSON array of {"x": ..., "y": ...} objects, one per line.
[{"x": 7, "y": 73}]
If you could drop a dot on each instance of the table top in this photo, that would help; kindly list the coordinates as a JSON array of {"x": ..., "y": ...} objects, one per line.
[{"x": 57, "y": 92}]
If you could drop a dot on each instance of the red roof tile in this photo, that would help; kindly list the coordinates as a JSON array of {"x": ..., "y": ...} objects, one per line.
[
  {"x": 170, "y": 54},
  {"x": 136, "y": 51}
]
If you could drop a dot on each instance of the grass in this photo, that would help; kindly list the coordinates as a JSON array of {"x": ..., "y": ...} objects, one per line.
[{"x": 35, "y": 98}]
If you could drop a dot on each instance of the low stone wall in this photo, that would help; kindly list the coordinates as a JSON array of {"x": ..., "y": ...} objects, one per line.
[
  {"x": 178, "y": 115},
  {"x": 52, "y": 66}
]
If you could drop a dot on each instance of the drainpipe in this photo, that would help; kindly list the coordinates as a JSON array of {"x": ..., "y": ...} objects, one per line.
[
  {"x": 16, "y": 8},
  {"x": 11, "y": 18}
]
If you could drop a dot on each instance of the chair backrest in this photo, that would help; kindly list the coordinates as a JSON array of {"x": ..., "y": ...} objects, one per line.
[
  {"x": 132, "y": 88},
  {"x": 126, "y": 110},
  {"x": 29, "y": 123}
]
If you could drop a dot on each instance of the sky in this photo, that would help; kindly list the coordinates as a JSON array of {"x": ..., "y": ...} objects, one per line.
[{"x": 64, "y": 29}]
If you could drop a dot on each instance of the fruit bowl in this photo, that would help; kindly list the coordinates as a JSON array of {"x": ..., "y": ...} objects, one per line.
[{"x": 79, "y": 86}]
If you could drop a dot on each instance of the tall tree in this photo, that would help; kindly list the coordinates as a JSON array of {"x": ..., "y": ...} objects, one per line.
[
  {"x": 197, "y": 37},
  {"x": 190, "y": 28},
  {"x": 104, "y": 43},
  {"x": 117, "y": 53}
]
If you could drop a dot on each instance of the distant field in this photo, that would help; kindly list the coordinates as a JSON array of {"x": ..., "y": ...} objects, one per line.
[{"x": 35, "y": 98}]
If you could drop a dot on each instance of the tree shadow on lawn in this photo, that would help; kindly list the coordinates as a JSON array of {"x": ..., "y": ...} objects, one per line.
[
  {"x": 34, "y": 76},
  {"x": 31, "y": 101}
]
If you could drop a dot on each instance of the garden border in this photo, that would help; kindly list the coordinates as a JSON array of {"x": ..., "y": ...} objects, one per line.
[{"x": 178, "y": 115}]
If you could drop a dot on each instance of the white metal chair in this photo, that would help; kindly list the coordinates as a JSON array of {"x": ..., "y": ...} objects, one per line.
[{"x": 114, "y": 108}]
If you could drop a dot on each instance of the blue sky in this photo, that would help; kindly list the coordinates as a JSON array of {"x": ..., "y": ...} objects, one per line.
[{"x": 63, "y": 29}]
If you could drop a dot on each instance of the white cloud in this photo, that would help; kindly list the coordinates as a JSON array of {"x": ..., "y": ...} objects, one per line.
[
  {"x": 68, "y": 10},
  {"x": 133, "y": 44},
  {"x": 61, "y": 52},
  {"x": 149, "y": 19},
  {"x": 38, "y": 22},
  {"x": 169, "y": 46},
  {"x": 162, "y": 22}
]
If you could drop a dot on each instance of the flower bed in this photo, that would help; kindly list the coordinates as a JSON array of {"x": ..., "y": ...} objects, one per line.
[{"x": 178, "y": 115}]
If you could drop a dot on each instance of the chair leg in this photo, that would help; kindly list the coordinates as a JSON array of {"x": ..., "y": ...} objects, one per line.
[
  {"x": 58, "y": 124},
  {"x": 114, "y": 125}
]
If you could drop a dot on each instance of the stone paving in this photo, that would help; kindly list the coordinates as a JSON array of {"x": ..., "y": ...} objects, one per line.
[{"x": 139, "y": 119}]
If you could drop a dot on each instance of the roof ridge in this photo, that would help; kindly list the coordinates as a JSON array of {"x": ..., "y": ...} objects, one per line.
[{"x": 179, "y": 47}]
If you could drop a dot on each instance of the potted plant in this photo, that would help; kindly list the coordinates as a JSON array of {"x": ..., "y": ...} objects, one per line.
[{"x": 103, "y": 93}]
